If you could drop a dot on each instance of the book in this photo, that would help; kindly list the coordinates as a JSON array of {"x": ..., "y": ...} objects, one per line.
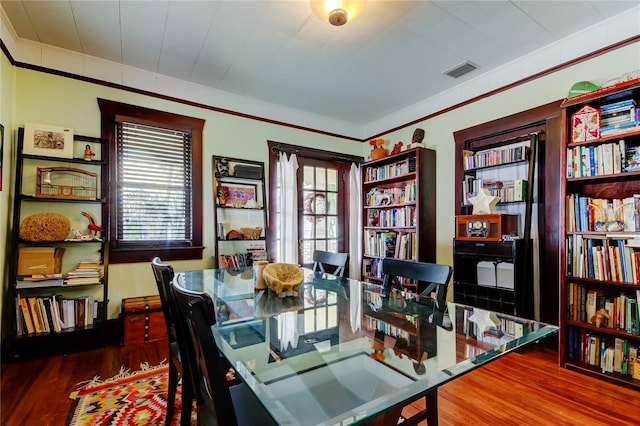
[
  {"x": 21, "y": 284},
  {"x": 26, "y": 314},
  {"x": 34, "y": 309}
]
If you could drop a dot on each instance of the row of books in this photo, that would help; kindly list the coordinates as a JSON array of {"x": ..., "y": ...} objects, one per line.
[
  {"x": 388, "y": 329},
  {"x": 622, "y": 309},
  {"x": 607, "y": 353},
  {"x": 392, "y": 218},
  {"x": 237, "y": 260},
  {"x": 390, "y": 170},
  {"x": 508, "y": 190},
  {"x": 405, "y": 193},
  {"x": 589, "y": 214},
  {"x": 54, "y": 313},
  {"x": 599, "y": 160},
  {"x": 493, "y": 157},
  {"x": 505, "y": 328},
  {"x": 599, "y": 257},
  {"x": 400, "y": 245}
]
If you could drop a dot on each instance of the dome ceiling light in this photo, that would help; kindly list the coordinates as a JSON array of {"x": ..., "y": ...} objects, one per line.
[{"x": 337, "y": 12}]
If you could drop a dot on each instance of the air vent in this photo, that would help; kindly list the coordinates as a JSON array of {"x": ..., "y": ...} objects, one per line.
[{"x": 460, "y": 70}]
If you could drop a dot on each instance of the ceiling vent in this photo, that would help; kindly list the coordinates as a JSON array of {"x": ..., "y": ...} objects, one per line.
[{"x": 460, "y": 70}]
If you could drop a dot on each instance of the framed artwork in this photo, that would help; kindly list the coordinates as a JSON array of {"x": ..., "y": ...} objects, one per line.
[
  {"x": 48, "y": 140},
  {"x": 237, "y": 194}
]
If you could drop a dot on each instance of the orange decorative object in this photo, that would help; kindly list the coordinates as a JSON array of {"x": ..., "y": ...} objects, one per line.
[{"x": 377, "y": 151}]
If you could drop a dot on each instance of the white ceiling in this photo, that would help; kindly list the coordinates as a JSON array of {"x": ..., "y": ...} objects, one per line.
[{"x": 389, "y": 58}]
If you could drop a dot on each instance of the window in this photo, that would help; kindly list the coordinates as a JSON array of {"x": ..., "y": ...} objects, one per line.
[{"x": 156, "y": 183}]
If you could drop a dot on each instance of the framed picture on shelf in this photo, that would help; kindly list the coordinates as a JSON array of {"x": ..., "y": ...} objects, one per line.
[
  {"x": 48, "y": 140},
  {"x": 239, "y": 194}
]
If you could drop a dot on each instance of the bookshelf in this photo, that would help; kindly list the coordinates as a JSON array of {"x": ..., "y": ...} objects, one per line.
[
  {"x": 491, "y": 271},
  {"x": 240, "y": 215},
  {"x": 600, "y": 237},
  {"x": 399, "y": 196},
  {"x": 61, "y": 308}
]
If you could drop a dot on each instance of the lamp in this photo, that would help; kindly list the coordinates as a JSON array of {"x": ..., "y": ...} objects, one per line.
[{"x": 337, "y": 12}]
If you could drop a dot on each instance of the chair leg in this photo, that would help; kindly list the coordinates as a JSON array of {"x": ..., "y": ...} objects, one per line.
[
  {"x": 171, "y": 393},
  {"x": 187, "y": 401}
]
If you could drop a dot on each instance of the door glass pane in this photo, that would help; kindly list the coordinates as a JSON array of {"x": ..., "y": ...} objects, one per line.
[
  {"x": 309, "y": 321},
  {"x": 321, "y": 182},
  {"x": 332, "y": 313},
  {"x": 321, "y": 227},
  {"x": 332, "y": 179},
  {"x": 332, "y": 227},
  {"x": 320, "y": 203},
  {"x": 321, "y": 318},
  {"x": 332, "y": 203},
  {"x": 307, "y": 227},
  {"x": 307, "y": 251},
  {"x": 321, "y": 245},
  {"x": 332, "y": 246},
  {"x": 307, "y": 177}
]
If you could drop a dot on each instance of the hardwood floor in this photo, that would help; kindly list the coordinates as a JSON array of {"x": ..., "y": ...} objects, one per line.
[{"x": 518, "y": 389}]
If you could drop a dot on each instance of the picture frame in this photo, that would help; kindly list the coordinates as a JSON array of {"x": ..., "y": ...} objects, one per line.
[
  {"x": 48, "y": 140},
  {"x": 238, "y": 194}
]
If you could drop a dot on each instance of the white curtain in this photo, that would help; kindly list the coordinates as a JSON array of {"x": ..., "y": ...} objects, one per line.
[
  {"x": 288, "y": 244},
  {"x": 355, "y": 222}
]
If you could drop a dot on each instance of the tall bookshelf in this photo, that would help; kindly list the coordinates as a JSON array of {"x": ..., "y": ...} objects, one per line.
[
  {"x": 240, "y": 212},
  {"x": 66, "y": 312},
  {"x": 600, "y": 237},
  {"x": 399, "y": 211}
]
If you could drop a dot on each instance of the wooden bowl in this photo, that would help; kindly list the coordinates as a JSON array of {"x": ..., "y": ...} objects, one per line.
[{"x": 283, "y": 279}]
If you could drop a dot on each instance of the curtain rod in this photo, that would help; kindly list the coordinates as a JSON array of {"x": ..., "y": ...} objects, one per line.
[{"x": 316, "y": 153}]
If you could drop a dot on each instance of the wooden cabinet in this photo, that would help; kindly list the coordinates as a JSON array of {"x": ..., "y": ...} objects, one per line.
[
  {"x": 399, "y": 210},
  {"x": 239, "y": 214},
  {"x": 600, "y": 236},
  {"x": 67, "y": 311}
]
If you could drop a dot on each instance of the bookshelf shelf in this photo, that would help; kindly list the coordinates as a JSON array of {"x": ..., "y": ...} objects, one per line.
[
  {"x": 602, "y": 269},
  {"x": 398, "y": 211}
]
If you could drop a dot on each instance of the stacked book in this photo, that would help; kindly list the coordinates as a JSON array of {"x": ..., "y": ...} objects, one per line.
[
  {"x": 618, "y": 117},
  {"x": 87, "y": 273},
  {"x": 39, "y": 281}
]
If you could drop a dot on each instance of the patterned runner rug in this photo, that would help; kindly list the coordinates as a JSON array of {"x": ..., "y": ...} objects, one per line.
[{"x": 127, "y": 399}]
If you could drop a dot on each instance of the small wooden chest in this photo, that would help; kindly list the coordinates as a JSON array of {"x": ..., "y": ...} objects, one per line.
[{"x": 143, "y": 320}]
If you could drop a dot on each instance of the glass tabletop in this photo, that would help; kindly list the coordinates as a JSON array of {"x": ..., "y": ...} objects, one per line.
[{"x": 343, "y": 351}]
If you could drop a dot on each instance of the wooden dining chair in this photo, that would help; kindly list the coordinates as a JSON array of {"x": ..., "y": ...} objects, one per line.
[
  {"x": 164, "y": 276},
  {"x": 436, "y": 276},
  {"x": 218, "y": 404},
  {"x": 337, "y": 262}
]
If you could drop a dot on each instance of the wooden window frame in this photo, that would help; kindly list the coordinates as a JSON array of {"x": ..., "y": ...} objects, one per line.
[{"x": 113, "y": 112}]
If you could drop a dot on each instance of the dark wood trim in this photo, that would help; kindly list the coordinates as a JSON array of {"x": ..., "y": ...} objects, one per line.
[
  {"x": 535, "y": 76},
  {"x": 318, "y": 154},
  {"x": 110, "y": 111},
  {"x": 547, "y": 119}
]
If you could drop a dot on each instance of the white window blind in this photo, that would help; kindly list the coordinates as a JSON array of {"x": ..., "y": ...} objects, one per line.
[{"x": 154, "y": 179}]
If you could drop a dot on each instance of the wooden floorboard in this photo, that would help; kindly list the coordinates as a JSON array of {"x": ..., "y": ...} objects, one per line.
[{"x": 519, "y": 389}]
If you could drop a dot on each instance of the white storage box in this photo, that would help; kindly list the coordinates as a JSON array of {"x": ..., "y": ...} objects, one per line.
[
  {"x": 504, "y": 275},
  {"x": 486, "y": 274}
]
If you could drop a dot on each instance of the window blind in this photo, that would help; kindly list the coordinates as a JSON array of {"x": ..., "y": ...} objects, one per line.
[{"x": 154, "y": 184}]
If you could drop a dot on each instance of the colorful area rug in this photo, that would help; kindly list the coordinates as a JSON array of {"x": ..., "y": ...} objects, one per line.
[{"x": 127, "y": 399}]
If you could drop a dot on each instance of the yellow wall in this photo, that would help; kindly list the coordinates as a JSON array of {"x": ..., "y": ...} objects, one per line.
[
  {"x": 56, "y": 100},
  {"x": 45, "y": 98}
]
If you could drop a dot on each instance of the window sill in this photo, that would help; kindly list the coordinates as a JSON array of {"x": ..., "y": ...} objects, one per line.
[{"x": 145, "y": 254}]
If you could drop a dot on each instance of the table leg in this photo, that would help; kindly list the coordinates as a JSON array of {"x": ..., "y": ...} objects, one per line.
[{"x": 431, "y": 402}]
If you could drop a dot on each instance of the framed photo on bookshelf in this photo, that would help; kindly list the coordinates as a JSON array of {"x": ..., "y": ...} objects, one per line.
[
  {"x": 240, "y": 194},
  {"x": 48, "y": 140}
]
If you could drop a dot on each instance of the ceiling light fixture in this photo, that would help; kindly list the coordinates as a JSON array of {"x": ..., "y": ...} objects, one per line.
[{"x": 337, "y": 12}]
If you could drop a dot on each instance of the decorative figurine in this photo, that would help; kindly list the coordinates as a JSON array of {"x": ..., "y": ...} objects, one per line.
[
  {"x": 88, "y": 153},
  {"x": 417, "y": 138},
  {"x": 484, "y": 202},
  {"x": 223, "y": 195},
  {"x": 378, "y": 151},
  {"x": 397, "y": 148},
  {"x": 95, "y": 230},
  {"x": 222, "y": 167}
]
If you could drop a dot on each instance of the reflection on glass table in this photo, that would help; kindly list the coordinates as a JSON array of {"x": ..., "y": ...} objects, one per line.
[{"x": 344, "y": 351}]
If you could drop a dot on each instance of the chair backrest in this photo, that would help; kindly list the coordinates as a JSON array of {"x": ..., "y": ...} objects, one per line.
[
  {"x": 436, "y": 276},
  {"x": 164, "y": 274},
  {"x": 323, "y": 258},
  {"x": 196, "y": 316}
]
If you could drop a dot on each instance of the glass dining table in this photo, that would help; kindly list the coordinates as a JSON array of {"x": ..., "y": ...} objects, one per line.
[{"x": 346, "y": 352}]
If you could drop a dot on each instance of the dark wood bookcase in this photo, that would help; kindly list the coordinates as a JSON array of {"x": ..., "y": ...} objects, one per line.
[
  {"x": 399, "y": 210},
  {"x": 91, "y": 333},
  {"x": 598, "y": 263}
]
